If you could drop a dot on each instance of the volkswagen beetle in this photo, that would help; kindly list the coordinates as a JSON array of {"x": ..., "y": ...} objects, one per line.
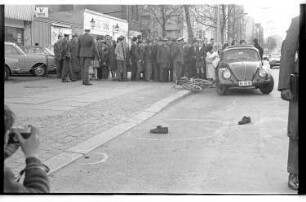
[{"x": 240, "y": 66}]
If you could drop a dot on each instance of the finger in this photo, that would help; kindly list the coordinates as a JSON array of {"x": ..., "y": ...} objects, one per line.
[{"x": 19, "y": 136}]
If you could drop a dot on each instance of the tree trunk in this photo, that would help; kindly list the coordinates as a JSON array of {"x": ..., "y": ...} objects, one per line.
[
  {"x": 190, "y": 31},
  {"x": 162, "y": 10}
]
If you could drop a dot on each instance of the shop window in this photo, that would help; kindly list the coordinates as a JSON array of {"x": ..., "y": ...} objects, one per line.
[{"x": 13, "y": 34}]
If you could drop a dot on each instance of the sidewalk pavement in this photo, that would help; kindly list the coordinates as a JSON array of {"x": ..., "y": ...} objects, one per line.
[{"x": 74, "y": 119}]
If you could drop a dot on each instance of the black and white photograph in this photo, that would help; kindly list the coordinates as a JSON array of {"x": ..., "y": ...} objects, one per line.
[{"x": 153, "y": 98}]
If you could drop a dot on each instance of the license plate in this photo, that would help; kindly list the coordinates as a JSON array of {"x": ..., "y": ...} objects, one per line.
[{"x": 245, "y": 83}]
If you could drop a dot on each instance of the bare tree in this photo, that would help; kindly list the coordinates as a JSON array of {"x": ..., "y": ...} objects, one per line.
[
  {"x": 187, "y": 16},
  {"x": 162, "y": 14}
]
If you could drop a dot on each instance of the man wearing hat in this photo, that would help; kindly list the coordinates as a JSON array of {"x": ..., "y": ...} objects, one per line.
[
  {"x": 57, "y": 54},
  {"x": 66, "y": 55},
  {"x": 154, "y": 60},
  {"x": 134, "y": 57},
  {"x": 140, "y": 62},
  {"x": 163, "y": 59},
  {"x": 103, "y": 54},
  {"x": 87, "y": 50},
  {"x": 177, "y": 56},
  {"x": 76, "y": 70},
  {"x": 148, "y": 59}
]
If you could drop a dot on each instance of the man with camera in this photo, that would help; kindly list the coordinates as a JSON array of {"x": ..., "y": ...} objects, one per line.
[
  {"x": 288, "y": 85},
  {"x": 35, "y": 180}
]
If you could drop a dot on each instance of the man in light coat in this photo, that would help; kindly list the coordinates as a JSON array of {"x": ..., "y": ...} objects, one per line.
[{"x": 120, "y": 52}]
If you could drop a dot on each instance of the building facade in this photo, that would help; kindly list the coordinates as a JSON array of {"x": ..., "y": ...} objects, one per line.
[{"x": 18, "y": 22}]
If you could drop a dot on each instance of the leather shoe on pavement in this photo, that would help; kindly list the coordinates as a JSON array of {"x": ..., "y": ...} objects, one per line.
[
  {"x": 87, "y": 84},
  {"x": 245, "y": 120},
  {"x": 159, "y": 130}
]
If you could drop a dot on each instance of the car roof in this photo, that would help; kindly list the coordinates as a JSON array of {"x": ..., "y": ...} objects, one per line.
[{"x": 240, "y": 46}]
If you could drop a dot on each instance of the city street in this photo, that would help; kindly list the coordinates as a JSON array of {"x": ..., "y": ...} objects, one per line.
[{"x": 205, "y": 152}]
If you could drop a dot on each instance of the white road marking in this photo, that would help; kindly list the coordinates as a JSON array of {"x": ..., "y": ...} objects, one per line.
[{"x": 105, "y": 157}]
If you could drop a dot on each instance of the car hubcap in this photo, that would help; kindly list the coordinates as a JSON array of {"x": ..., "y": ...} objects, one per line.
[{"x": 39, "y": 70}]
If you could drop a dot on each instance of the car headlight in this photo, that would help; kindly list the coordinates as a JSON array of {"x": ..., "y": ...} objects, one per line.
[
  {"x": 226, "y": 74},
  {"x": 262, "y": 73}
]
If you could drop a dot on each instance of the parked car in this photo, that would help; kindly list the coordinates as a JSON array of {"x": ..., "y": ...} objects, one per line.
[
  {"x": 240, "y": 66},
  {"x": 19, "y": 62},
  {"x": 274, "y": 60},
  {"x": 37, "y": 50}
]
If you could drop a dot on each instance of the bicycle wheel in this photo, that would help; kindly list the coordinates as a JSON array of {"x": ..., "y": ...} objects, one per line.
[{"x": 192, "y": 87}]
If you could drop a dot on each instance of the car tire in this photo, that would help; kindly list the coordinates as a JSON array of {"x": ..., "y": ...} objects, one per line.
[
  {"x": 40, "y": 70},
  {"x": 6, "y": 73},
  {"x": 221, "y": 89},
  {"x": 267, "y": 88}
]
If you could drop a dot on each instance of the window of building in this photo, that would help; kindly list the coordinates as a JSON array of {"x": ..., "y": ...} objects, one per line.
[{"x": 13, "y": 34}]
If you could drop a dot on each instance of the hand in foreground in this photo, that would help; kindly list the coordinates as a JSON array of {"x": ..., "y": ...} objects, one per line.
[
  {"x": 30, "y": 145},
  {"x": 286, "y": 95}
]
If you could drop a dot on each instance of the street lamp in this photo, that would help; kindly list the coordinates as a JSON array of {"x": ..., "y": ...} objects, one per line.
[{"x": 92, "y": 23}]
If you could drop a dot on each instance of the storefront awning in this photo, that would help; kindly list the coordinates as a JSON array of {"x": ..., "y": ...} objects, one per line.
[{"x": 19, "y": 12}]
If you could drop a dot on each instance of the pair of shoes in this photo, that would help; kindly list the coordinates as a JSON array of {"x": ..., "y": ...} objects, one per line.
[
  {"x": 245, "y": 120},
  {"x": 293, "y": 181},
  {"x": 159, "y": 130},
  {"x": 87, "y": 84}
]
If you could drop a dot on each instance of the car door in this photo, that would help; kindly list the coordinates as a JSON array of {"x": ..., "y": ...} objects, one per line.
[{"x": 15, "y": 58}]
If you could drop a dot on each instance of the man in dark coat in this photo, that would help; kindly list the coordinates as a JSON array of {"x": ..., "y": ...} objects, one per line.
[
  {"x": 148, "y": 60},
  {"x": 199, "y": 53},
  {"x": 192, "y": 56},
  {"x": 66, "y": 56},
  {"x": 134, "y": 57},
  {"x": 177, "y": 57},
  {"x": 86, "y": 52},
  {"x": 154, "y": 60},
  {"x": 163, "y": 60},
  {"x": 76, "y": 70},
  {"x": 260, "y": 49},
  {"x": 289, "y": 65},
  {"x": 187, "y": 59},
  {"x": 103, "y": 54},
  {"x": 57, "y": 54}
]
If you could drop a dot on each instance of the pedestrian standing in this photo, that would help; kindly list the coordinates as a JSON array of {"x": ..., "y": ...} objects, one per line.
[
  {"x": 87, "y": 50},
  {"x": 260, "y": 49},
  {"x": 199, "y": 53},
  {"x": 134, "y": 57},
  {"x": 57, "y": 54},
  {"x": 154, "y": 60},
  {"x": 288, "y": 85},
  {"x": 127, "y": 59},
  {"x": 66, "y": 56},
  {"x": 103, "y": 54},
  {"x": 211, "y": 55},
  {"x": 163, "y": 60},
  {"x": 140, "y": 62},
  {"x": 148, "y": 57},
  {"x": 76, "y": 70},
  {"x": 187, "y": 59},
  {"x": 177, "y": 51},
  {"x": 120, "y": 52},
  {"x": 192, "y": 55}
]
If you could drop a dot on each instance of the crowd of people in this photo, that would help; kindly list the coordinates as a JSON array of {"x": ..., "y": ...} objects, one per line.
[{"x": 88, "y": 58}]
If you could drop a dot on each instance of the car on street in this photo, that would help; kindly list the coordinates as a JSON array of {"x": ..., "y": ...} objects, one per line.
[
  {"x": 240, "y": 66},
  {"x": 18, "y": 61},
  {"x": 274, "y": 59},
  {"x": 37, "y": 50}
]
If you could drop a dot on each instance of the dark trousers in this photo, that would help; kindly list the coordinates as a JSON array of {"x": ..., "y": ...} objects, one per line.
[
  {"x": 67, "y": 69},
  {"x": 59, "y": 68},
  {"x": 155, "y": 71},
  {"x": 293, "y": 156},
  {"x": 134, "y": 70},
  {"x": 148, "y": 71},
  {"x": 85, "y": 63},
  {"x": 163, "y": 73},
  {"x": 121, "y": 70},
  {"x": 104, "y": 71},
  {"x": 140, "y": 69}
]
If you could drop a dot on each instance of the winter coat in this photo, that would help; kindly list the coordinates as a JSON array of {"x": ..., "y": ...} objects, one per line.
[
  {"x": 120, "y": 52},
  {"x": 163, "y": 55}
]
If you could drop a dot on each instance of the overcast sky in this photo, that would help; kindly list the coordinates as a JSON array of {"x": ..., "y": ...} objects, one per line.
[{"x": 274, "y": 15}]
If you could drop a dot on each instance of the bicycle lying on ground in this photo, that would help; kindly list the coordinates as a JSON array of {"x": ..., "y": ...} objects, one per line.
[{"x": 194, "y": 84}]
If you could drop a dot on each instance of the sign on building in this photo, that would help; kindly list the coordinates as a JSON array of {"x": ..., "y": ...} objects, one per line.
[{"x": 41, "y": 12}]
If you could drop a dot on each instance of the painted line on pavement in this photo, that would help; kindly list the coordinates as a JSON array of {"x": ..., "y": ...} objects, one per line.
[{"x": 74, "y": 153}]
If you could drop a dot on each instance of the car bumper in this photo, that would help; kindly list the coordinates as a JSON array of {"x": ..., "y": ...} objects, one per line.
[{"x": 255, "y": 83}]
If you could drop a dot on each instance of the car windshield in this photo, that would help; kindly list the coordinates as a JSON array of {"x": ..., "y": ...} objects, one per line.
[
  {"x": 34, "y": 50},
  {"x": 238, "y": 55}
]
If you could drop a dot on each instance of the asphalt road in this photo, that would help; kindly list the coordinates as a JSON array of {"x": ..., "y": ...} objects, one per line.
[{"x": 205, "y": 152}]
